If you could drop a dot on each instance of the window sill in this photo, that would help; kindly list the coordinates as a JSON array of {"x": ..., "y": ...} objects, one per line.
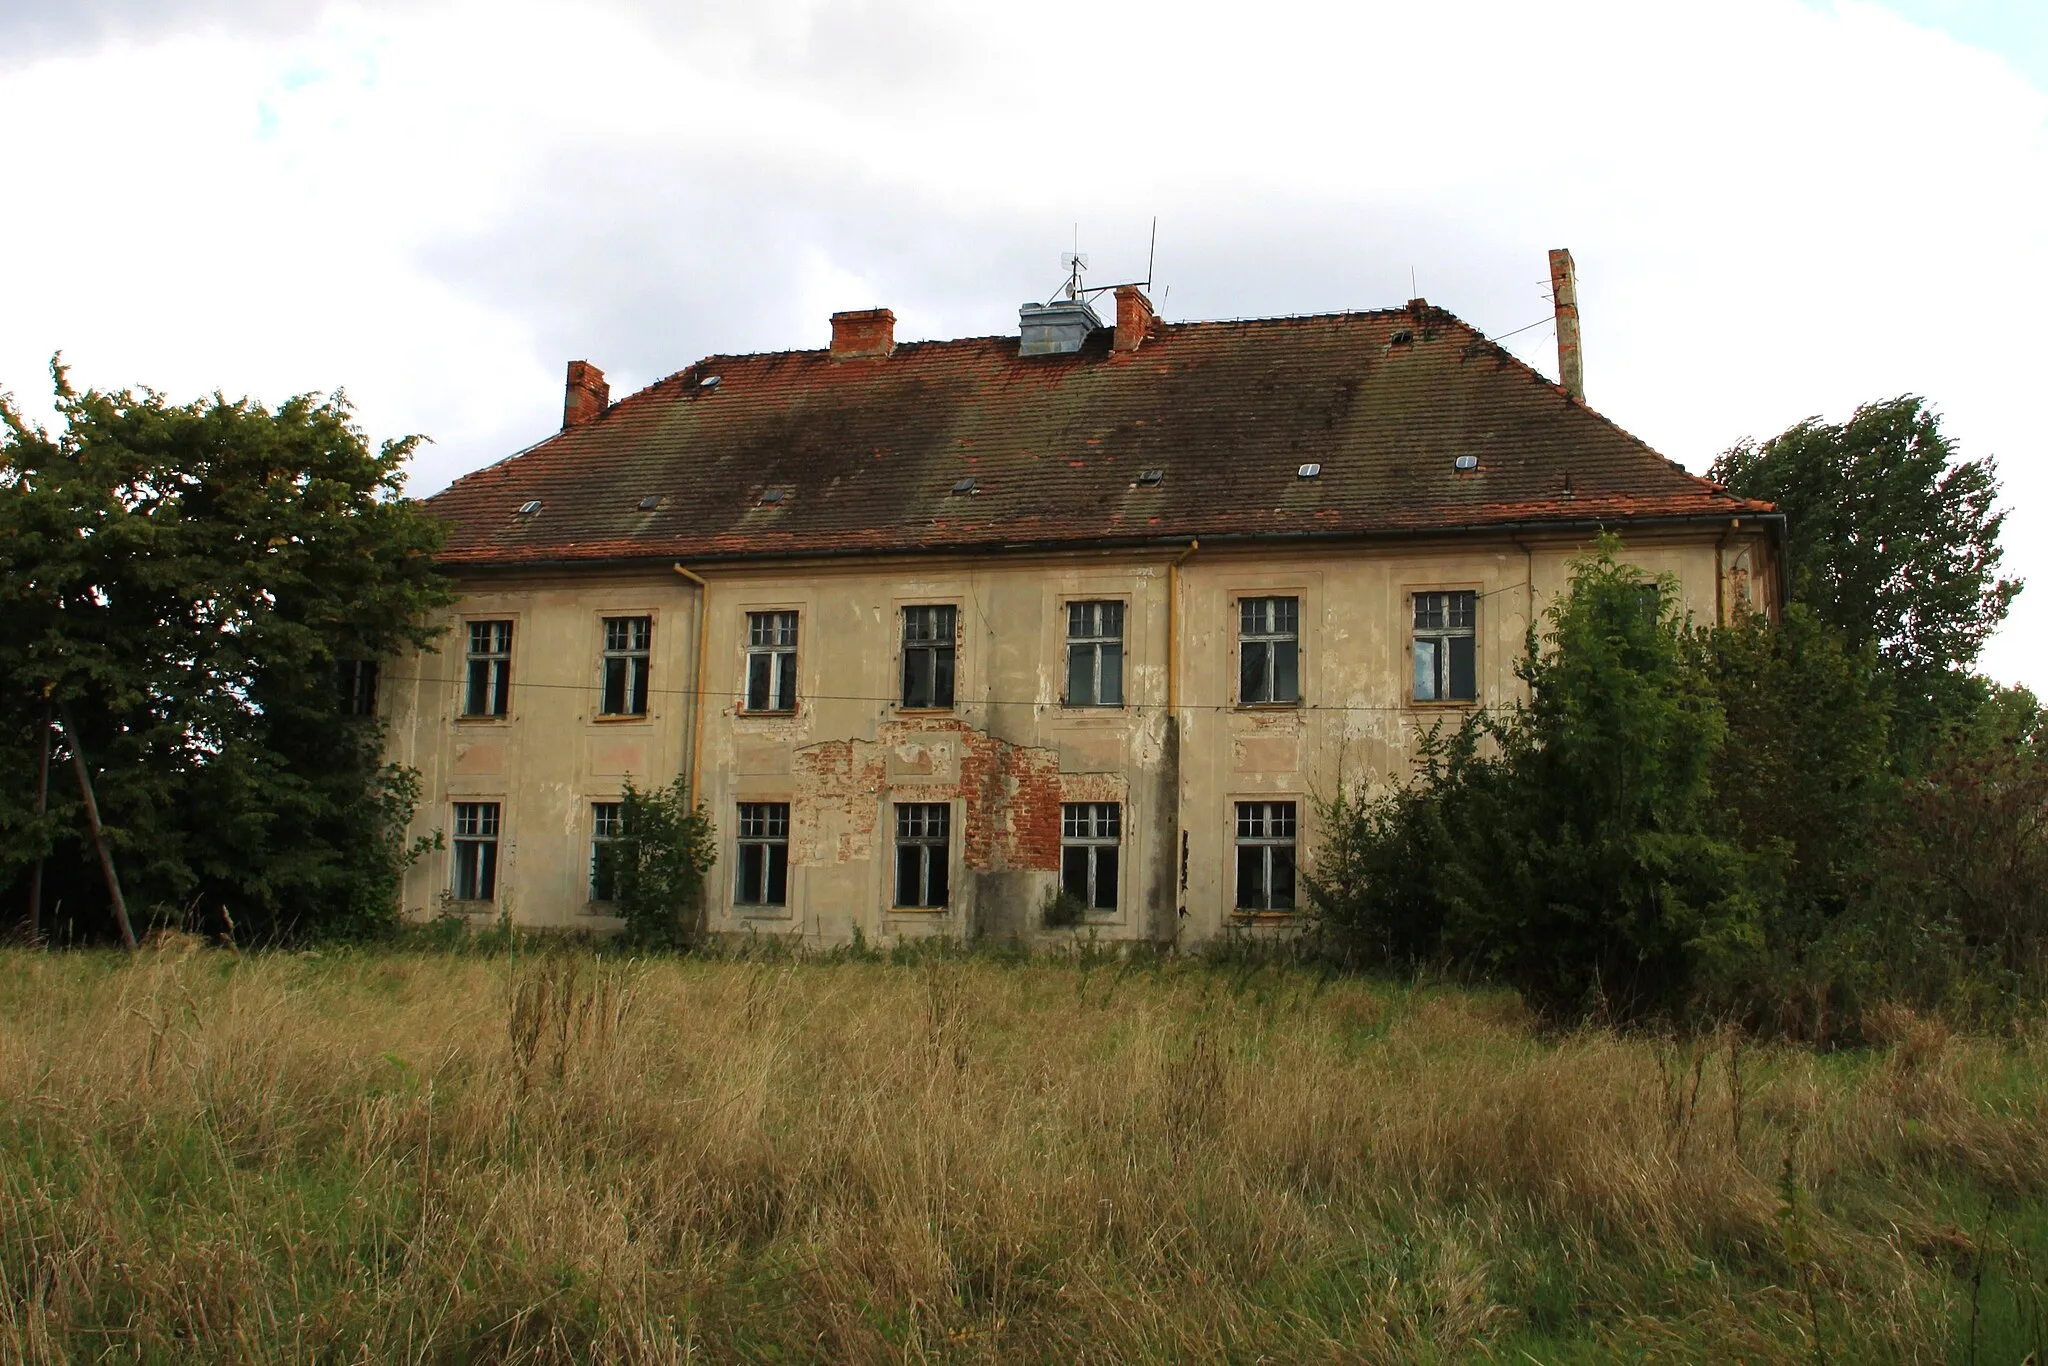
[
  {"x": 920, "y": 910},
  {"x": 1242, "y": 917},
  {"x": 1444, "y": 704},
  {"x": 750, "y": 911},
  {"x": 902, "y": 710},
  {"x": 465, "y": 719},
  {"x": 1104, "y": 709},
  {"x": 621, "y": 719},
  {"x": 765, "y": 713},
  {"x": 1267, "y": 706}
]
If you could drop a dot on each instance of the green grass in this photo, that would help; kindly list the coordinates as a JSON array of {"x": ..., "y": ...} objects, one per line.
[{"x": 934, "y": 1156}]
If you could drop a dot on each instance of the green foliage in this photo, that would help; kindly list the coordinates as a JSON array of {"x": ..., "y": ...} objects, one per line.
[
  {"x": 1567, "y": 846},
  {"x": 656, "y": 866},
  {"x": 1060, "y": 909},
  {"x": 183, "y": 580},
  {"x": 1893, "y": 542}
]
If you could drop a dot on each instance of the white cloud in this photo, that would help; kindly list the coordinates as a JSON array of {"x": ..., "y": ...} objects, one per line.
[{"x": 1778, "y": 208}]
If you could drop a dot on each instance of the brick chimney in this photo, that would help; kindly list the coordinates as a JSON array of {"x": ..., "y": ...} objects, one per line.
[
  {"x": 1133, "y": 318},
  {"x": 587, "y": 396},
  {"x": 1564, "y": 291},
  {"x": 870, "y": 332}
]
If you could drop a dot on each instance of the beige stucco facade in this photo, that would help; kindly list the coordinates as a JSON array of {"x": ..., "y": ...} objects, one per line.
[{"x": 1176, "y": 758}]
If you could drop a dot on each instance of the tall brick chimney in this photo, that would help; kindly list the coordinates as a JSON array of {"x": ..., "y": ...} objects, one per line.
[
  {"x": 1564, "y": 291},
  {"x": 587, "y": 395},
  {"x": 870, "y": 332},
  {"x": 1133, "y": 318}
]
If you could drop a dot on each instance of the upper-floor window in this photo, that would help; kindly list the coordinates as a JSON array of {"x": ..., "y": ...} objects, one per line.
[
  {"x": 489, "y": 683},
  {"x": 771, "y": 661},
  {"x": 1446, "y": 663},
  {"x": 928, "y": 649},
  {"x": 628, "y": 642},
  {"x": 1095, "y": 654},
  {"x": 1268, "y": 650},
  {"x": 763, "y": 878},
  {"x": 357, "y": 679},
  {"x": 1265, "y": 856},
  {"x": 476, "y": 851}
]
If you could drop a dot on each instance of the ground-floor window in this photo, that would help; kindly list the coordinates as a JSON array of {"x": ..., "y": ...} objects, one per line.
[
  {"x": 606, "y": 825},
  {"x": 1090, "y": 833},
  {"x": 922, "y": 854},
  {"x": 476, "y": 851},
  {"x": 763, "y": 878},
  {"x": 1265, "y": 856}
]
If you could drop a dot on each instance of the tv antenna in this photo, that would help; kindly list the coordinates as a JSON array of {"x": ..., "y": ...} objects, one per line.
[{"x": 1075, "y": 264}]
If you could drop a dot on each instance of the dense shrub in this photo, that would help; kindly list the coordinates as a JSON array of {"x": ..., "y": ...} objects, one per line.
[{"x": 656, "y": 866}]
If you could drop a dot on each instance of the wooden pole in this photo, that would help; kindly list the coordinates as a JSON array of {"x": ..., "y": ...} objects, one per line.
[
  {"x": 35, "y": 874},
  {"x": 99, "y": 836}
]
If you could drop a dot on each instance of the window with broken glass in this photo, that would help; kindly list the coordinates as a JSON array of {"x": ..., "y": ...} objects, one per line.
[
  {"x": 1446, "y": 659},
  {"x": 923, "y": 864},
  {"x": 607, "y": 823},
  {"x": 1268, "y": 651},
  {"x": 628, "y": 643},
  {"x": 1265, "y": 856},
  {"x": 771, "y": 661},
  {"x": 476, "y": 851},
  {"x": 1090, "y": 835},
  {"x": 928, "y": 650},
  {"x": 489, "y": 682},
  {"x": 763, "y": 878},
  {"x": 1095, "y": 654}
]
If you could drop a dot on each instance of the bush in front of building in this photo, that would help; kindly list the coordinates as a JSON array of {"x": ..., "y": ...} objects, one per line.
[{"x": 656, "y": 866}]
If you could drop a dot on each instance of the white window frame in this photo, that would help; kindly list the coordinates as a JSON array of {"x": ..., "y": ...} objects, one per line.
[
  {"x": 1088, "y": 828},
  {"x": 479, "y": 831},
  {"x": 1261, "y": 827},
  {"x": 1095, "y": 630},
  {"x": 1269, "y": 632},
  {"x": 772, "y": 645}
]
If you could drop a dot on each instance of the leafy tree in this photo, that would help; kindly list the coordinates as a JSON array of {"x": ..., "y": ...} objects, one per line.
[
  {"x": 182, "y": 581},
  {"x": 1893, "y": 541},
  {"x": 1567, "y": 846},
  {"x": 656, "y": 865}
]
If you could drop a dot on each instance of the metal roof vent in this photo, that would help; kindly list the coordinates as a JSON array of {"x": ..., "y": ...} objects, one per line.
[
  {"x": 1151, "y": 479},
  {"x": 1056, "y": 329},
  {"x": 1467, "y": 462},
  {"x": 966, "y": 485},
  {"x": 1308, "y": 471},
  {"x": 527, "y": 509},
  {"x": 771, "y": 497},
  {"x": 650, "y": 502}
]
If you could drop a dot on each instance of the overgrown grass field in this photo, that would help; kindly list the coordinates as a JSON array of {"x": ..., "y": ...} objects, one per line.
[{"x": 372, "y": 1156}]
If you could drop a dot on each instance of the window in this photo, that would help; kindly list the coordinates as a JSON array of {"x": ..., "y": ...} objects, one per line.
[
  {"x": 607, "y": 824},
  {"x": 490, "y": 669},
  {"x": 928, "y": 656},
  {"x": 764, "y": 854},
  {"x": 1095, "y": 654},
  {"x": 1265, "y": 856},
  {"x": 1268, "y": 650},
  {"x": 1089, "y": 835},
  {"x": 771, "y": 661},
  {"x": 1445, "y": 668},
  {"x": 626, "y": 646},
  {"x": 476, "y": 851},
  {"x": 358, "y": 682},
  {"x": 921, "y": 853}
]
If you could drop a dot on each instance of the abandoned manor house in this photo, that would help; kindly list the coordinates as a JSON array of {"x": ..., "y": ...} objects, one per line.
[{"x": 1054, "y": 633}]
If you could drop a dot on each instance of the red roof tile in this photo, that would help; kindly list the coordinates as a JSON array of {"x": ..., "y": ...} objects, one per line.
[{"x": 868, "y": 451}]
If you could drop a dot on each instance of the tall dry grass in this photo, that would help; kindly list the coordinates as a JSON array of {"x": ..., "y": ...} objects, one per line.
[{"x": 376, "y": 1157}]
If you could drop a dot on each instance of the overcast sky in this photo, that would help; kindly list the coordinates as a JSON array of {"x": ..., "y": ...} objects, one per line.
[{"x": 1779, "y": 208}]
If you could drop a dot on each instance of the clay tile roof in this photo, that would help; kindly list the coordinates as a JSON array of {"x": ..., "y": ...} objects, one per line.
[{"x": 868, "y": 452}]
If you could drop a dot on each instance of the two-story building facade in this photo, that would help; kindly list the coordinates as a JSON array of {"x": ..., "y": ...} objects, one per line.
[{"x": 1055, "y": 633}]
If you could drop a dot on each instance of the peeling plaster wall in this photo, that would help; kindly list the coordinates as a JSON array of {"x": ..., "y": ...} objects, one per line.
[{"x": 1005, "y": 757}]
